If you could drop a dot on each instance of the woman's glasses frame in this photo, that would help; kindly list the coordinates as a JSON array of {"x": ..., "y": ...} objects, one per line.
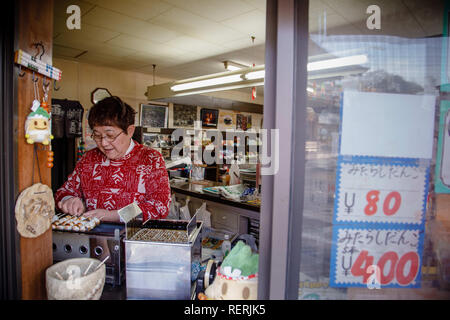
[{"x": 99, "y": 138}]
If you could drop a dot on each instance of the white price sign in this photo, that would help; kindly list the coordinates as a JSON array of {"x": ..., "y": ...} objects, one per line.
[
  {"x": 376, "y": 257},
  {"x": 380, "y": 192}
]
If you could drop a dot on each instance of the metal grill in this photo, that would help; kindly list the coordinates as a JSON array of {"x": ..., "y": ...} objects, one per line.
[{"x": 161, "y": 235}]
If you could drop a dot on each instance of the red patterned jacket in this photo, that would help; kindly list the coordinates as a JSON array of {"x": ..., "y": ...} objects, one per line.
[{"x": 139, "y": 176}]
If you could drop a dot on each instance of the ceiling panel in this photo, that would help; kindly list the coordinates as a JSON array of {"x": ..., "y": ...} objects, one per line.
[
  {"x": 124, "y": 24},
  {"x": 258, "y": 4},
  {"x": 126, "y": 41},
  {"x": 215, "y": 10},
  {"x": 65, "y": 39},
  {"x": 149, "y": 58},
  {"x": 252, "y": 23},
  {"x": 87, "y": 32},
  {"x": 99, "y": 59},
  {"x": 129, "y": 65},
  {"x": 184, "y": 22},
  {"x": 243, "y": 43},
  {"x": 139, "y": 9},
  {"x": 200, "y": 47},
  {"x": 65, "y": 52},
  {"x": 254, "y": 54}
]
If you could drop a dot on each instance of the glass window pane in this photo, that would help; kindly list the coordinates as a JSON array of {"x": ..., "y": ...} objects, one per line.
[{"x": 373, "y": 214}]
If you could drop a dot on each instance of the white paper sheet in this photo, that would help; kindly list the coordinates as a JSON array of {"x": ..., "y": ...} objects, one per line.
[{"x": 387, "y": 125}]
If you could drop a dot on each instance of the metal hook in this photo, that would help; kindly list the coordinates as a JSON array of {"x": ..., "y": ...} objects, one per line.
[
  {"x": 43, "y": 51},
  {"x": 39, "y": 44},
  {"x": 21, "y": 73},
  {"x": 54, "y": 86},
  {"x": 33, "y": 79},
  {"x": 36, "y": 46},
  {"x": 45, "y": 84}
]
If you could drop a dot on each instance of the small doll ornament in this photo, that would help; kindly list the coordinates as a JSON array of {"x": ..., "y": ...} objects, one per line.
[
  {"x": 237, "y": 277},
  {"x": 37, "y": 126}
]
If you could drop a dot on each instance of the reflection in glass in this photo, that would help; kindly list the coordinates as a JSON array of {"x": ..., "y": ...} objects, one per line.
[{"x": 403, "y": 57}]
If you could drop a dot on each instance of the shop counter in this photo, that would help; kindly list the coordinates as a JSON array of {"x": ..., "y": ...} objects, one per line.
[
  {"x": 196, "y": 190},
  {"x": 226, "y": 214}
]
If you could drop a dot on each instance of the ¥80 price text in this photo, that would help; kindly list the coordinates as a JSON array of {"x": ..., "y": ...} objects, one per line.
[
  {"x": 397, "y": 268},
  {"x": 391, "y": 203}
]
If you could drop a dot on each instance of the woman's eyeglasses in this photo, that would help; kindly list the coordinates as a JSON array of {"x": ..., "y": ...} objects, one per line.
[{"x": 108, "y": 138}]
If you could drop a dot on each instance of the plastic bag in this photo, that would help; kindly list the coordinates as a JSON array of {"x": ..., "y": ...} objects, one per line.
[
  {"x": 204, "y": 215},
  {"x": 234, "y": 174},
  {"x": 184, "y": 211},
  {"x": 197, "y": 173},
  {"x": 232, "y": 192},
  {"x": 174, "y": 212}
]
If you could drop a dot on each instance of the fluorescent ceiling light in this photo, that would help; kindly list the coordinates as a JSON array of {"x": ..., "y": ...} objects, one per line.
[
  {"x": 207, "y": 82},
  {"x": 336, "y": 63},
  {"x": 232, "y": 68},
  {"x": 255, "y": 75}
]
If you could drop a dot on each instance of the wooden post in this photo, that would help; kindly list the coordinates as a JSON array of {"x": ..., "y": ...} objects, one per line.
[{"x": 34, "y": 24}]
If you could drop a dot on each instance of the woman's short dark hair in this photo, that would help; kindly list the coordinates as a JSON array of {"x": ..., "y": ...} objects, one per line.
[{"x": 111, "y": 111}]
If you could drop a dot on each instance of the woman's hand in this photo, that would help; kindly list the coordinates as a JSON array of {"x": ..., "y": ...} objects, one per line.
[
  {"x": 104, "y": 215},
  {"x": 73, "y": 206}
]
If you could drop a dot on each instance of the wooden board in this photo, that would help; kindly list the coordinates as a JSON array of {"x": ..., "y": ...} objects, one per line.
[{"x": 34, "y": 24}]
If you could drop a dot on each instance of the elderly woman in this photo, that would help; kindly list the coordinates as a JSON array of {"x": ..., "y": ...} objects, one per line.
[{"x": 116, "y": 173}]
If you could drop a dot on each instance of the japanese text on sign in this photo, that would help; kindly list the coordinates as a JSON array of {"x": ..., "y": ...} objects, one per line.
[
  {"x": 381, "y": 193},
  {"x": 394, "y": 253}
]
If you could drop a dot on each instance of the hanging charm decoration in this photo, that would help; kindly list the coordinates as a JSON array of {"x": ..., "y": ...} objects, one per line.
[
  {"x": 38, "y": 125},
  {"x": 34, "y": 210},
  {"x": 44, "y": 103}
]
